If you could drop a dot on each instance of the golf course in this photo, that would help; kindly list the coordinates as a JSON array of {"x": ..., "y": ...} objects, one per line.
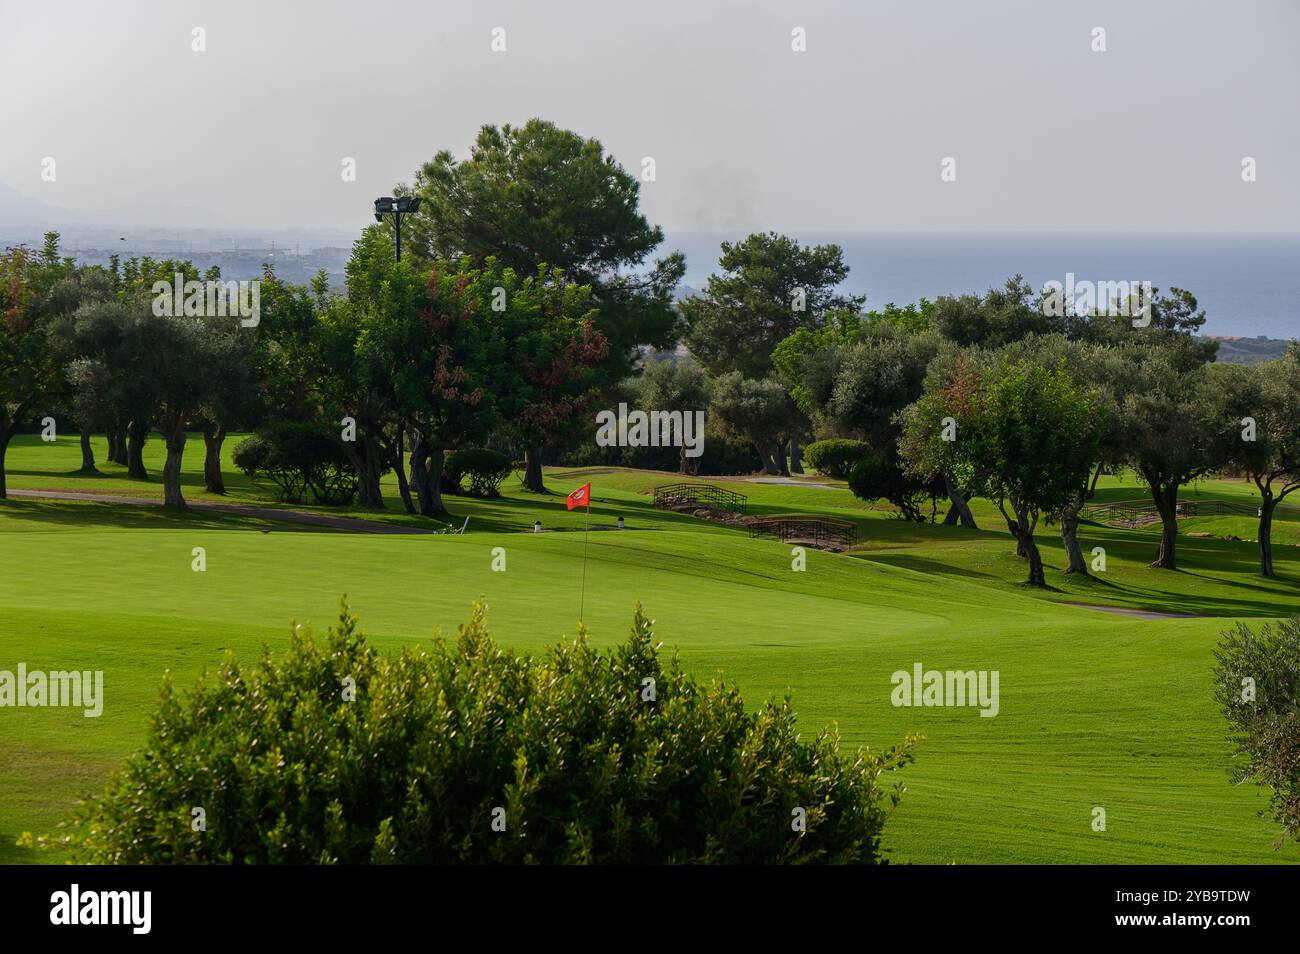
[{"x": 1098, "y": 709}]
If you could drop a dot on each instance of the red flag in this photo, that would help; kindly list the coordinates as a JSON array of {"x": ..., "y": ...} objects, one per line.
[{"x": 579, "y": 498}]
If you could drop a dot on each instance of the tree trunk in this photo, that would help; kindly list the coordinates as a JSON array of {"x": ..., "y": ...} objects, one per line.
[
  {"x": 213, "y": 482},
  {"x": 960, "y": 509},
  {"x": 1092, "y": 487},
  {"x": 363, "y": 453},
  {"x": 5, "y": 436},
  {"x": 533, "y": 469},
  {"x": 426, "y": 477},
  {"x": 1036, "y": 575},
  {"x": 87, "y": 455},
  {"x": 1022, "y": 528},
  {"x": 374, "y": 474},
  {"x": 116, "y": 452},
  {"x": 119, "y": 432},
  {"x": 796, "y": 456},
  {"x": 767, "y": 454},
  {"x": 403, "y": 487},
  {"x": 1266, "y": 536},
  {"x": 1167, "y": 505},
  {"x": 172, "y": 469},
  {"x": 782, "y": 467},
  {"x": 136, "y": 434},
  {"x": 1070, "y": 537}
]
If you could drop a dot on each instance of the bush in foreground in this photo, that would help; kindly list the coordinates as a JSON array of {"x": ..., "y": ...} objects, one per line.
[
  {"x": 1257, "y": 682},
  {"x": 576, "y": 752}
]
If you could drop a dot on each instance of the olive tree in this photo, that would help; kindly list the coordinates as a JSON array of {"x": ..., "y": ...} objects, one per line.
[{"x": 1023, "y": 434}]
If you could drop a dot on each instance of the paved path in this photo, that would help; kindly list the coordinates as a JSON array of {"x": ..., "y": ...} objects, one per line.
[
  {"x": 791, "y": 482},
  {"x": 1139, "y": 613},
  {"x": 345, "y": 524}
]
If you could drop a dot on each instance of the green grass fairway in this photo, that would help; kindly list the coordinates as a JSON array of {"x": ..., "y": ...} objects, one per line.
[{"x": 1096, "y": 710}]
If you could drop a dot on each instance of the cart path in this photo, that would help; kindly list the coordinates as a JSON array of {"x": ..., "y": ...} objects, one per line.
[
  {"x": 791, "y": 482},
  {"x": 345, "y": 524},
  {"x": 1139, "y": 613}
]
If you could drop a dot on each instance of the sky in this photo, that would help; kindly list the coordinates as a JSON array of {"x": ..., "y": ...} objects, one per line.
[{"x": 745, "y": 132}]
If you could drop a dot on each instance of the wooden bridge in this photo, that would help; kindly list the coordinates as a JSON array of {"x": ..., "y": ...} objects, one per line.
[
  {"x": 686, "y": 495},
  {"x": 1141, "y": 512},
  {"x": 819, "y": 531}
]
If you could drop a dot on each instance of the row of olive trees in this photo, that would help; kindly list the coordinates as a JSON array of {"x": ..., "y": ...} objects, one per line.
[
  {"x": 1031, "y": 424},
  {"x": 88, "y": 341},
  {"x": 995, "y": 396}
]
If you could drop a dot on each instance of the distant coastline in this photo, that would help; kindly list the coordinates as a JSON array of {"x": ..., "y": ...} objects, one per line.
[{"x": 1247, "y": 283}]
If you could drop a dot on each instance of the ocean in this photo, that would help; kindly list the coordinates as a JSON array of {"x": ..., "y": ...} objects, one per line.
[{"x": 1248, "y": 284}]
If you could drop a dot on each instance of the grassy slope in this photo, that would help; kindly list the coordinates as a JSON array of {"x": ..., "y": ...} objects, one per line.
[{"x": 1096, "y": 710}]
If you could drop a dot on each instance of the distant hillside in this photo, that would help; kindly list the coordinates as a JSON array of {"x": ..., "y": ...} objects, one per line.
[{"x": 1237, "y": 350}]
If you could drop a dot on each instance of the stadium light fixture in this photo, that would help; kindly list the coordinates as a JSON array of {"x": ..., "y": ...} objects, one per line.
[{"x": 404, "y": 205}]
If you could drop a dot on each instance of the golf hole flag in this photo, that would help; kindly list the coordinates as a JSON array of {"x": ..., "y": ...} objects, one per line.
[{"x": 579, "y": 498}]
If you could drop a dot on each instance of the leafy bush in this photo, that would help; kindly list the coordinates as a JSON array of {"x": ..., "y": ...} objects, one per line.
[
  {"x": 835, "y": 457},
  {"x": 296, "y": 458},
  {"x": 876, "y": 476},
  {"x": 485, "y": 468},
  {"x": 577, "y": 753},
  {"x": 1257, "y": 683}
]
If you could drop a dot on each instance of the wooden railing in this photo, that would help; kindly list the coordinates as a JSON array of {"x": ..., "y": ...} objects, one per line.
[
  {"x": 674, "y": 496},
  {"x": 821, "y": 531}
]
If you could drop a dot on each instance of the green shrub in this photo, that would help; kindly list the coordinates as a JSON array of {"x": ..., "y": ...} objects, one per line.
[
  {"x": 1257, "y": 683},
  {"x": 835, "y": 457},
  {"x": 586, "y": 761},
  {"x": 876, "y": 476},
  {"x": 296, "y": 458},
  {"x": 485, "y": 468}
]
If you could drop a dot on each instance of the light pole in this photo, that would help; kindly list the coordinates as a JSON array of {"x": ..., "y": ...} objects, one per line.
[{"x": 397, "y": 207}]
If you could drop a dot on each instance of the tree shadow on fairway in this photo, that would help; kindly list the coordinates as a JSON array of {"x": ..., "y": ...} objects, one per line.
[
  {"x": 908, "y": 561},
  {"x": 73, "y": 475},
  {"x": 1160, "y": 599},
  {"x": 39, "y": 514}
]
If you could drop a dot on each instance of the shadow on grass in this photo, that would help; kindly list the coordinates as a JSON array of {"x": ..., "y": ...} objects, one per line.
[
  {"x": 79, "y": 514},
  {"x": 907, "y": 561},
  {"x": 11, "y": 854}
]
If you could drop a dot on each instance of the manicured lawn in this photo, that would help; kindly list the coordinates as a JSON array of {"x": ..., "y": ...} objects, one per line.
[{"x": 1095, "y": 710}]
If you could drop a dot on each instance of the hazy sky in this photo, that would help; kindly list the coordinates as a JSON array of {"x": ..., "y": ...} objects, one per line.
[{"x": 745, "y": 132}]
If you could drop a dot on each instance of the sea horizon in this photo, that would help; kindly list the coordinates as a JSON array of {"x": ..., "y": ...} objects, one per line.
[{"x": 1248, "y": 283}]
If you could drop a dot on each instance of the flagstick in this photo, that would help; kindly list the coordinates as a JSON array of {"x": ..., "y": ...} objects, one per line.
[{"x": 585, "y": 517}]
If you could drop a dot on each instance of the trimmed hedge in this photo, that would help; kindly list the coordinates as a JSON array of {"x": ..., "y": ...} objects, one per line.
[
  {"x": 329, "y": 752},
  {"x": 297, "y": 458},
  {"x": 485, "y": 468},
  {"x": 836, "y": 457}
]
